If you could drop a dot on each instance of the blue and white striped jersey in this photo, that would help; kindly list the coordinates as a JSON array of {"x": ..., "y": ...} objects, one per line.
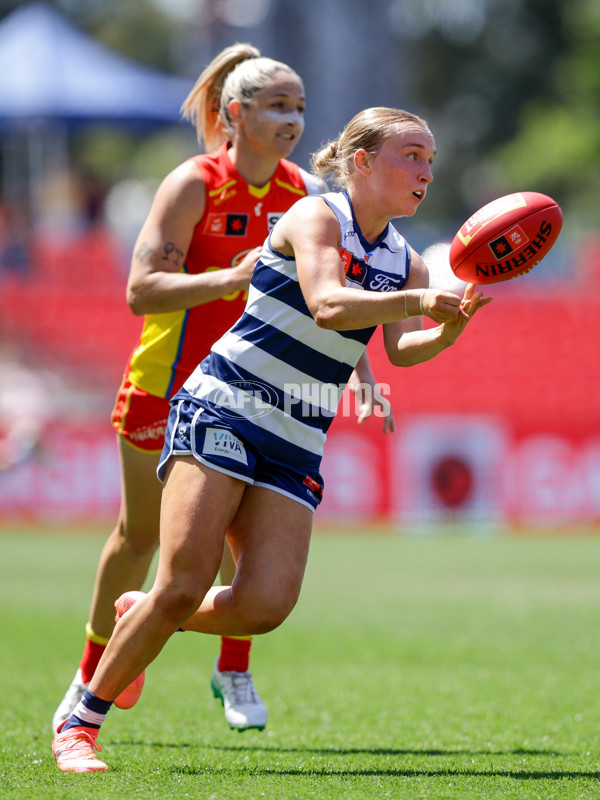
[{"x": 275, "y": 375}]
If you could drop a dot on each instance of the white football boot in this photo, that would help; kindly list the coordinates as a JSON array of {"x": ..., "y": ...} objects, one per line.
[
  {"x": 244, "y": 709},
  {"x": 74, "y": 694}
]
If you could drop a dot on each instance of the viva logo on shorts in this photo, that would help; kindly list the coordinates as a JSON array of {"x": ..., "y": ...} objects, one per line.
[{"x": 222, "y": 443}]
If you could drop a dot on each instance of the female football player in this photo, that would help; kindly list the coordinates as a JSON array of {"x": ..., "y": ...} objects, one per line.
[
  {"x": 243, "y": 464},
  {"x": 189, "y": 276}
]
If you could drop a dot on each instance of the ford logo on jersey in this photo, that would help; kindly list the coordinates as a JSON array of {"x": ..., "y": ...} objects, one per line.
[{"x": 382, "y": 282}]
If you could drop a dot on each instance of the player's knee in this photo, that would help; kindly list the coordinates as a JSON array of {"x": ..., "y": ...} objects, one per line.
[
  {"x": 140, "y": 540},
  {"x": 263, "y": 616},
  {"x": 179, "y": 603},
  {"x": 264, "y": 624}
]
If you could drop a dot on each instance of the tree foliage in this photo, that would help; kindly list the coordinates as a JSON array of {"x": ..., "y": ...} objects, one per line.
[
  {"x": 476, "y": 90},
  {"x": 557, "y": 144},
  {"x": 511, "y": 88}
]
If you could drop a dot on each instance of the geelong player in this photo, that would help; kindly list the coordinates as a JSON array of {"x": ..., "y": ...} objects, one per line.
[
  {"x": 332, "y": 269},
  {"x": 189, "y": 277}
]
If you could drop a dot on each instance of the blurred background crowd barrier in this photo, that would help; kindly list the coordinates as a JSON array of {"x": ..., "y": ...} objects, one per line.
[{"x": 502, "y": 430}]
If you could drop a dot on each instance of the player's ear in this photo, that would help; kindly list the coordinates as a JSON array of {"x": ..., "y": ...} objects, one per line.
[
  {"x": 362, "y": 161},
  {"x": 235, "y": 109}
]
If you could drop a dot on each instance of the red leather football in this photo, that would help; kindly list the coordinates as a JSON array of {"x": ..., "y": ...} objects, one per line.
[{"x": 505, "y": 238}]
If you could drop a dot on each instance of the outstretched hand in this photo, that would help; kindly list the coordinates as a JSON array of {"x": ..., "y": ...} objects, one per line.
[{"x": 471, "y": 302}]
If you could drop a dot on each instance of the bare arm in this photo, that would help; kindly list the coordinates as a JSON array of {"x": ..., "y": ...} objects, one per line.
[
  {"x": 156, "y": 282},
  {"x": 310, "y": 232}
]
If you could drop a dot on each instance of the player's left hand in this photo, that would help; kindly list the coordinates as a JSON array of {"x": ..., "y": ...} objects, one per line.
[{"x": 471, "y": 302}]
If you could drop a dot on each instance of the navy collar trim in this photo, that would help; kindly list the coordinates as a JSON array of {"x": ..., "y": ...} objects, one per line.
[{"x": 367, "y": 246}]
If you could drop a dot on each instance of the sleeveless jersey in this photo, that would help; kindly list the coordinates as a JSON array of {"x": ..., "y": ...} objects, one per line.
[
  {"x": 275, "y": 375},
  {"x": 237, "y": 218}
]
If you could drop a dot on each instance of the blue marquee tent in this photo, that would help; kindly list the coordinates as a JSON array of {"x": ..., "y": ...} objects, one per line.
[
  {"x": 54, "y": 78},
  {"x": 49, "y": 70}
]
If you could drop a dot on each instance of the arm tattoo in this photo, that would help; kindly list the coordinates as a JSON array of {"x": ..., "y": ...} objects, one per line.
[
  {"x": 172, "y": 253},
  {"x": 143, "y": 252}
]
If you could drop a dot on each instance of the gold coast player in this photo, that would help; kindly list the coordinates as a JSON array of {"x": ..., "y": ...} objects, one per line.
[{"x": 190, "y": 271}]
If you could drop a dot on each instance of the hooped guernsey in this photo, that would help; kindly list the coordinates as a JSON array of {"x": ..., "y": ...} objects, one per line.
[
  {"x": 275, "y": 375},
  {"x": 237, "y": 218}
]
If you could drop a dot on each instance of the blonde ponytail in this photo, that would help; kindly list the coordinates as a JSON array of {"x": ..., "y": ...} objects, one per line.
[{"x": 202, "y": 104}]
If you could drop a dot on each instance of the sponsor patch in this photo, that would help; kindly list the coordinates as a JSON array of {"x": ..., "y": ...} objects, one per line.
[
  {"x": 273, "y": 218},
  {"x": 226, "y": 224},
  {"x": 354, "y": 269},
  {"x": 383, "y": 282},
  {"x": 218, "y": 442},
  {"x": 315, "y": 488}
]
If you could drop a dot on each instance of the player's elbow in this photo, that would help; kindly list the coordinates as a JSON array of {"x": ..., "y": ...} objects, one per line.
[
  {"x": 404, "y": 358},
  {"x": 397, "y": 360},
  {"x": 327, "y": 316},
  {"x": 135, "y": 300},
  {"x": 325, "y": 321}
]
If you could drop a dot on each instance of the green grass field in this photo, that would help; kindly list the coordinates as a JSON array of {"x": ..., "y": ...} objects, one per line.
[{"x": 435, "y": 667}]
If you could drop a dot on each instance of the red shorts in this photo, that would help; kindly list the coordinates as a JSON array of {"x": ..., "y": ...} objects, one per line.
[{"x": 140, "y": 418}]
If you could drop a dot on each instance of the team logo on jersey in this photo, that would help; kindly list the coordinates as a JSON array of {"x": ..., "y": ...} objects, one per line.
[
  {"x": 272, "y": 218},
  {"x": 182, "y": 432},
  {"x": 505, "y": 244},
  {"x": 354, "y": 268},
  {"x": 226, "y": 224}
]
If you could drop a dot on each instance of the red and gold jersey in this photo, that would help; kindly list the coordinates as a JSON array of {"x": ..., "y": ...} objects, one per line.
[{"x": 237, "y": 218}]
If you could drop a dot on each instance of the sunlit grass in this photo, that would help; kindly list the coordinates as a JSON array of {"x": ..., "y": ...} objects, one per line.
[{"x": 436, "y": 667}]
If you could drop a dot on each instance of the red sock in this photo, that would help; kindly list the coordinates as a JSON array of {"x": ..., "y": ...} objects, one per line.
[
  {"x": 235, "y": 654},
  {"x": 92, "y": 654}
]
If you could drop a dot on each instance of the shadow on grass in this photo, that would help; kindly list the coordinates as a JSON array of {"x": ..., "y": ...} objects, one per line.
[
  {"x": 202, "y": 771},
  {"x": 389, "y": 751},
  {"x": 342, "y": 751},
  {"x": 391, "y": 772},
  {"x": 399, "y": 772}
]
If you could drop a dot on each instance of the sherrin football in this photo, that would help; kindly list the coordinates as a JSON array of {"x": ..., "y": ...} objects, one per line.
[{"x": 505, "y": 238}]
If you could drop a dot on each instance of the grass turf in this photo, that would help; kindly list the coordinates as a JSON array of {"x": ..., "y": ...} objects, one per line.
[{"x": 434, "y": 667}]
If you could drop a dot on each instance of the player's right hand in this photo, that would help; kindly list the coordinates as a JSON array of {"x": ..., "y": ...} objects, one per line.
[{"x": 246, "y": 266}]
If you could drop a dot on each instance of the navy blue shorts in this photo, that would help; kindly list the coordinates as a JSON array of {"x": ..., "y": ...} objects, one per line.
[{"x": 214, "y": 442}]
